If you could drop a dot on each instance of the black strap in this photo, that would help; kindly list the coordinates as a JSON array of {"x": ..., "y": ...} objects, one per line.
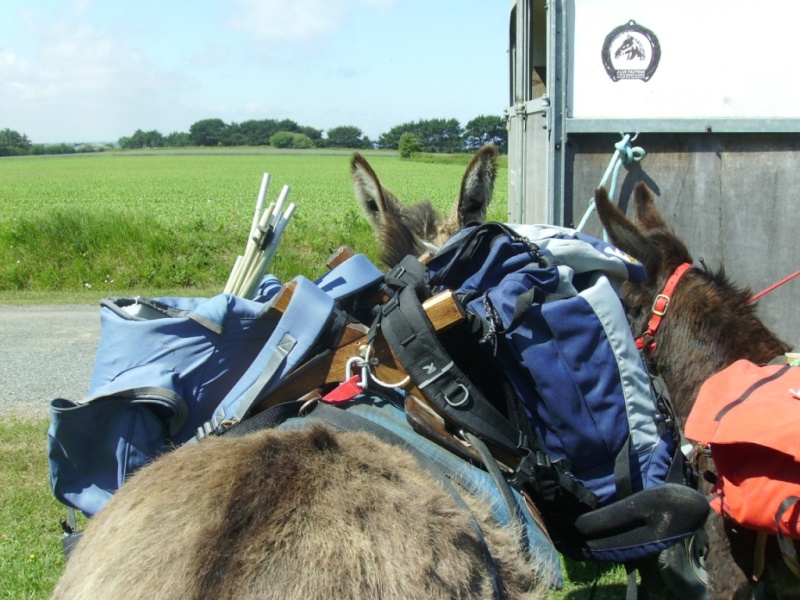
[
  {"x": 749, "y": 391},
  {"x": 408, "y": 271},
  {"x": 622, "y": 470},
  {"x": 552, "y": 484},
  {"x": 266, "y": 419},
  {"x": 506, "y": 495},
  {"x": 632, "y": 590},
  {"x": 412, "y": 338}
]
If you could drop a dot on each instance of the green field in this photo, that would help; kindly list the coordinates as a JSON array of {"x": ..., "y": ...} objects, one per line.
[
  {"x": 79, "y": 228},
  {"x": 118, "y": 222}
]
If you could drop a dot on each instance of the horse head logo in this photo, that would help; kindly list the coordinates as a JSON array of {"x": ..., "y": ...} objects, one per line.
[{"x": 631, "y": 49}]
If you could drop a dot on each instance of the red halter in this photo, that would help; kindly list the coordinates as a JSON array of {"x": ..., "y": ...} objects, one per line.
[{"x": 660, "y": 305}]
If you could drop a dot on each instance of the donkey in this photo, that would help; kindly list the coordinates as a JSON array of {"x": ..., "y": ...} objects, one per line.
[
  {"x": 709, "y": 317},
  {"x": 309, "y": 513},
  {"x": 709, "y": 325},
  {"x": 414, "y": 229}
]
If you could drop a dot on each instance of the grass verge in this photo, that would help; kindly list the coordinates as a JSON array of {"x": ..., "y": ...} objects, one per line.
[{"x": 31, "y": 556}]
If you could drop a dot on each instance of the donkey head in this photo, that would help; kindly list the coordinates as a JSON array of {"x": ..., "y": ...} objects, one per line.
[
  {"x": 710, "y": 322},
  {"x": 653, "y": 243},
  {"x": 404, "y": 230}
]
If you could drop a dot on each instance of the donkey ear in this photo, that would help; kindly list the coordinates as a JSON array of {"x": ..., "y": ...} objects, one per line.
[
  {"x": 625, "y": 235},
  {"x": 647, "y": 214},
  {"x": 477, "y": 186},
  {"x": 375, "y": 200}
]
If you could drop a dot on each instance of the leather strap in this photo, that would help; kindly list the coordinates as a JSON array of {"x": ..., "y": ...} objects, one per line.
[{"x": 660, "y": 304}]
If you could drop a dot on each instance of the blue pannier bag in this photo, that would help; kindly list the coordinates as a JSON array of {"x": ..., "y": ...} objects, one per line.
[
  {"x": 547, "y": 372},
  {"x": 170, "y": 369}
]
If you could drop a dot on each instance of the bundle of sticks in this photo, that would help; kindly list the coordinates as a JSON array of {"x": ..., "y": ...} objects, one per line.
[{"x": 262, "y": 243}]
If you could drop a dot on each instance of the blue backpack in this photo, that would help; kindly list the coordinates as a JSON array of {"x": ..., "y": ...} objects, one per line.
[
  {"x": 548, "y": 374},
  {"x": 163, "y": 364},
  {"x": 168, "y": 370}
]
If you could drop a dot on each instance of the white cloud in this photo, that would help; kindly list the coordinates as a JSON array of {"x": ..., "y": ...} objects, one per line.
[
  {"x": 288, "y": 20},
  {"x": 75, "y": 70},
  {"x": 254, "y": 108},
  {"x": 275, "y": 21}
]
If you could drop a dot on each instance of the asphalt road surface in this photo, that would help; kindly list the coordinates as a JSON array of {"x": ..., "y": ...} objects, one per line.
[{"x": 46, "y": 352}]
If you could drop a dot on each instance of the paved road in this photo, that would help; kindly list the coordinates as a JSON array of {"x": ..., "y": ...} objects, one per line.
[{"x": 45, "y": 352}]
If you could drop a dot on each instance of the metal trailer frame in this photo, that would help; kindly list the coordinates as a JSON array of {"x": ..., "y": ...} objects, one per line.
[{"x": 727, "y": 184}]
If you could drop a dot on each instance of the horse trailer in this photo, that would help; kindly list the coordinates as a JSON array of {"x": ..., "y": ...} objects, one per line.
[{"x": 697, "y": 99}]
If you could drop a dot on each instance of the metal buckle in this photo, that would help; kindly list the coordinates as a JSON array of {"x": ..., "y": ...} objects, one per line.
[
  {"x": 461, "y": 402},
  {"x": 660, "y": 312},
  {"x": 363, "y": 365}
]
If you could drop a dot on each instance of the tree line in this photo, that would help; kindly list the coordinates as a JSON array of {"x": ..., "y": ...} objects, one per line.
[
  {"x": 424, "y": 135},
  {"x": 13, "y": 143}
]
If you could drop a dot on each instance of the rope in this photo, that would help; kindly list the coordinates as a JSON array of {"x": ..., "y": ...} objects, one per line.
[
  {"x": 774, "y": 286},
  {"x": 624, "y": 153}
]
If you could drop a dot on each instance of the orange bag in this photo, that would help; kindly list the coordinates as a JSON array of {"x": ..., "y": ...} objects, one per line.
[{"x": 750, "y": 418}]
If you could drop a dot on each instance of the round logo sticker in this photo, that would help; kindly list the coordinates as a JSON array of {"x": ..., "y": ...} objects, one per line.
[{"x": 631, "y": 52}]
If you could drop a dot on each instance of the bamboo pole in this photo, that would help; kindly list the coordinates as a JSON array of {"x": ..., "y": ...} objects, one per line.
[{"x": 265, "y": 236}]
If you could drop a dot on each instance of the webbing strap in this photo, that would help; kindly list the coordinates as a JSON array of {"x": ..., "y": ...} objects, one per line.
[
  {"x": 788, "y": 550},
  {"x": 506, "y": 495},
  {"x": 266, "y": 419},
  {"x": 270, "y": 367},
  {"x": 412, "y": 338},
  {"x": 300, "y": 327},
  {"x": 622, "y": 470},
  {"x": 750, "y": 391},
  {"x": 632, "y": 589}
]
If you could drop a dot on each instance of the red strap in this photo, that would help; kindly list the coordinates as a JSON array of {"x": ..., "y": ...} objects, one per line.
[
  {"x": 345, "y": 391},
  {"x": 774, "y": 286},
  {"x": 660, "y": 305}
]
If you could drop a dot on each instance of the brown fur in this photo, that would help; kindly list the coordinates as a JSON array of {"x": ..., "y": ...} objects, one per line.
[
  {"x": 290, "y": 514},
  {"x": 708, "y": 326},
  {"x": 402, "y": 229}
]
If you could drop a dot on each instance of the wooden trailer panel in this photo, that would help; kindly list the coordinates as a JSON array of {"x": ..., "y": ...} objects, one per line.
[{"x": 733, "y": 198}]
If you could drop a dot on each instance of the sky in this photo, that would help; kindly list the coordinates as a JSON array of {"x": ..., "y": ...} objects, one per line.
[{"x": 97, "y": 70}]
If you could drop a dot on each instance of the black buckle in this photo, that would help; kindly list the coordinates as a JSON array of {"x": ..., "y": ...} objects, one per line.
[{"x": 542, "y": 474}]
